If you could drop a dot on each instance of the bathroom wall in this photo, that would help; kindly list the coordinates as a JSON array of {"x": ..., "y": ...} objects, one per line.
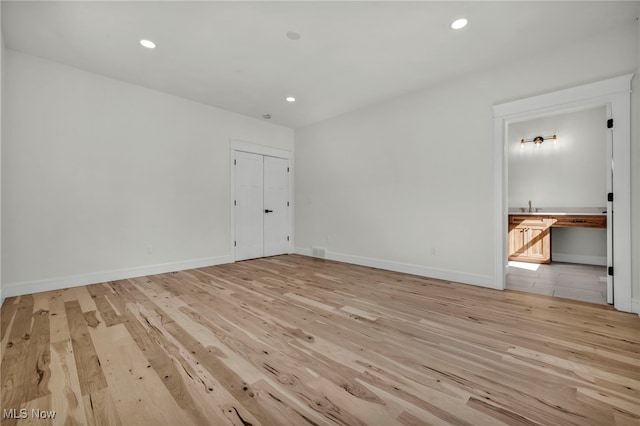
[{"x": 569, "y": 173}]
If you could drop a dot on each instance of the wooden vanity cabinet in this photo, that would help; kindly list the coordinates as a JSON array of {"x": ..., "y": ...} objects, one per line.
[
  {"x": 530, "y": 235},
  {"x": 530, "y": 239}
]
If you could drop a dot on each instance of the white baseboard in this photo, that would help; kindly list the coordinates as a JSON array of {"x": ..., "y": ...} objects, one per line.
[
  {"x": 576, "y": 258},
  {"x": 635, "y": 306},
  {"x": 38, "y": 286},
  {"x": 303, "y": 251},
  {"x": 407, "y": 268}
]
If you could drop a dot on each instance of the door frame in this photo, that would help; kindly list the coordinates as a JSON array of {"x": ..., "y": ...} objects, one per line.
[
  {"x": 615, "y": 95},
  {"x": 242, "y": 146}
]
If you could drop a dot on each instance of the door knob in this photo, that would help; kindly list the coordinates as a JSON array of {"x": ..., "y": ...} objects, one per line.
[{"x": 268, "y": 211}]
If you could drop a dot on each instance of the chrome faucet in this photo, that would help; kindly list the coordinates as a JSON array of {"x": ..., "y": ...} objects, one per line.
[{"x": 530, "y": 210}]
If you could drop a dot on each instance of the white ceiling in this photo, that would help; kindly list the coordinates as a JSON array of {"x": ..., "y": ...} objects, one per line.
[{"x": 236, "y": 55}]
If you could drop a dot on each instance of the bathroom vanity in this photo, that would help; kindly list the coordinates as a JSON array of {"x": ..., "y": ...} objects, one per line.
[{"x": 530, "y": 232}]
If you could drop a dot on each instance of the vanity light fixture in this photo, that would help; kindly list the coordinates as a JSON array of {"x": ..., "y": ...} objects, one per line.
[{"x": 538, "y": 140}]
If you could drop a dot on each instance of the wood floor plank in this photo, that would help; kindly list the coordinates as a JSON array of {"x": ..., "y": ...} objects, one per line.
[
  {"x": 6, "y": 320},
  {"x": 90, "y": 372},
  {"x": 408, "y": 419},
  {"x": 66, "y": 397},
  {"x": 138, "y": 393},
  {"x": 100, "y": 409},
  {"x": 293, "y": 340},
  {"x": 182, "y": 378},
  {"x": 38, "y": 371},
  {"x": 37, "y": 412},
  {"x": 84, "y": 298},
  {"x": 14, "y": 370},
  {"x": 64, "y": 386},
  {"x": 107, "y": 311}
]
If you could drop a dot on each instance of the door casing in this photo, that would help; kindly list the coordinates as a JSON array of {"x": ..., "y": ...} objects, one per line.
[{"x": 615, "y": 95}]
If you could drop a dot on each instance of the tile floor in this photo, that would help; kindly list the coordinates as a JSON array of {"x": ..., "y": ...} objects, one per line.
[{"x": 587, "y": 283}]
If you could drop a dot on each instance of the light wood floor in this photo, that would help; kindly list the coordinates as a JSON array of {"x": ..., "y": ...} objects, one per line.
[
  {"x": 292, "y": 340},
  {"x": 587, "y": 283}
]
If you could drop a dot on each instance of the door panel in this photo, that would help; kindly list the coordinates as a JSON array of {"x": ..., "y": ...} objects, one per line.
[
  {"x": 537, "y": 243},
  {"x": 516, "y": 242},
  {"x": 276, "y": 198},
  {"x": 248, "y": 210}
]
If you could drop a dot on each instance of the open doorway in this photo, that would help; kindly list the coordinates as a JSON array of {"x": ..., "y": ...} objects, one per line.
[
  {"x": 614, "y": 95},
  {"x": 557, "y": 189}
]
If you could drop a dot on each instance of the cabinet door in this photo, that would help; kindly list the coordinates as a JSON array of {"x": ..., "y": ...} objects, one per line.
[
  {"x": 530, "y": 240},
  {"x": 538, "y": 244},
  {"x": 517, "y": 242}
]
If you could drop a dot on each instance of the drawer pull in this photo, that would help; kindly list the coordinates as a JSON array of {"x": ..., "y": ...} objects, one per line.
[{"x": 579, "y": 221}]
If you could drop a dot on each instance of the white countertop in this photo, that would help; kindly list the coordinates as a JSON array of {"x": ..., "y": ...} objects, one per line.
[{"x": 561, "y": 211}]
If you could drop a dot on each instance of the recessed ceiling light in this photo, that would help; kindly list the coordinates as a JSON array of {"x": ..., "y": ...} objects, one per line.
[
  {"x": 293, "y": 35},
  {"x": 148, "y": 44},
  {"x": 266, "y": 116},
  {"x": 459, "y": 24},
  {"x": 291, "y": 99}
]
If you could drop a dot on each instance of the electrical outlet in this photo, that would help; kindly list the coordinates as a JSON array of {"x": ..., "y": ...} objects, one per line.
[{"x": 149, "y": 249}]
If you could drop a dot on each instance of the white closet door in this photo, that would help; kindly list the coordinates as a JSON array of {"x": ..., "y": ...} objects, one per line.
[
  {"x": 276, "y": 208},
  {"x": 249, "y": 224}
]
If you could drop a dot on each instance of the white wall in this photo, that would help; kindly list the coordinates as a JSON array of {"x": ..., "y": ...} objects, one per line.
[
  {"x": 635, "y": 187},
  {"x": 95, "y": 170},
  {"x": 1, "y": 132},
  {"x": 569, "y": 173},
  {"x": 408, "y": 184}
]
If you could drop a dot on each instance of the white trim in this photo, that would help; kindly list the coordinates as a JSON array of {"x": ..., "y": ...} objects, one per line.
[
  {"x": 303, "y": 251},
  {"x": 238, "y": 145},
  {"x": 576, "y": 258},
  {"x": 501, "y": 265},
  {"x": 566, "y": 98},
  {"x": 37, "y": 286},
  {"x": 407, "y": 268},
  {"x": 635, "y": 306},
  {"x": 613, "y": 92}
]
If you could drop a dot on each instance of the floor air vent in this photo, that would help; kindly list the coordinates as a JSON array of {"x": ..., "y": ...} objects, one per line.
[{"x": 320, "y": 252}]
